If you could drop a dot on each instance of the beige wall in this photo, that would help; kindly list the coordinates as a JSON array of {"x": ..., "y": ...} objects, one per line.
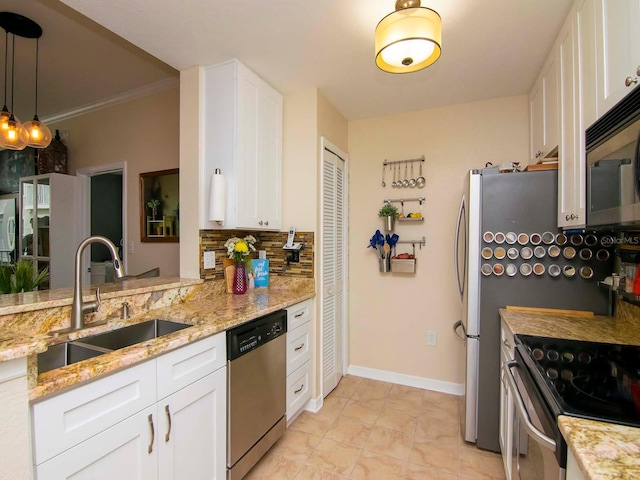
[
  {"x": 390, "y": 314},
  {"x": 143, "y": 133}
]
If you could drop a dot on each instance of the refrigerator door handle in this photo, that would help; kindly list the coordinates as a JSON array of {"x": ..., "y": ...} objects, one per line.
[
  {"x": 464, "y": 335},
  {"x": 460, "y": 281}
]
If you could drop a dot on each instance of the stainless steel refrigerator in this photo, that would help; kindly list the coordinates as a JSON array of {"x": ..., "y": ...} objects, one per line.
[{"x": 505, "y": 204}]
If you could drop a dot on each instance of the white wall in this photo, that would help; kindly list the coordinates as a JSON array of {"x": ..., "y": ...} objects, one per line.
[
  {"x": 390, "y": 314},
  {"x": 144, "y": 133}
]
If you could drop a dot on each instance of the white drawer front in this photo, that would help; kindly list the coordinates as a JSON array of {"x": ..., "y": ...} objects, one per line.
[
  {"x": 67, "y": 419},
  {"x": 298, "y": 389},
  {"x": 299, "y": 314},
  {"x": 298, "y": 347},
  {"x": 190, "y": 363}
]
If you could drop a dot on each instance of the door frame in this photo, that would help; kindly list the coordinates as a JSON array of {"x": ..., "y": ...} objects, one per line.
[
  {"x": 326, "y": 145},
  {"x": 83, "y": 197}
]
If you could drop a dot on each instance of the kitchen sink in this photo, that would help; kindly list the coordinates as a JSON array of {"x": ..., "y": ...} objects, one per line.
[
  {"x": 64, "y": 354},
  {"x": 140, "y": 332}
]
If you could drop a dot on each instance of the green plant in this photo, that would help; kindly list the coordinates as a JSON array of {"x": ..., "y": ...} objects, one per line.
[
  {"x": 388, "y": 210},
  {"x": 21, "y": 278},
  {"x": 154, "y": 202}
]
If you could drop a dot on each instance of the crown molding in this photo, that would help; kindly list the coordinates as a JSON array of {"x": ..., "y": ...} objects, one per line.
[{"x": 136, "y": 93}]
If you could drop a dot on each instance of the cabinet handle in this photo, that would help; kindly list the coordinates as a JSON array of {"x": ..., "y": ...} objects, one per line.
[
  {"x": 260, "y": 222},
  {"x": 298, "y": 390},
  {"x": 266, "y": 222},
  {"x": 506, "y": 343},
  {"x": 298, "y": 348},
  {"x": 153, "y": 432},
  {"x": 166, "y": 437},
  {"x": 630, "y": 81},
  {"x": 571, "y": 217},
  {"x": 298, "y": 315}
]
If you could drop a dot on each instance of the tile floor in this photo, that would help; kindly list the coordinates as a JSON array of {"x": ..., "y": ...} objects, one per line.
[{"x": 371, "y": 430}]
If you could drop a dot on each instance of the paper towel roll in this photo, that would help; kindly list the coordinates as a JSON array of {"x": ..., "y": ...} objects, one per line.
[{"x": 217, "y": 197}]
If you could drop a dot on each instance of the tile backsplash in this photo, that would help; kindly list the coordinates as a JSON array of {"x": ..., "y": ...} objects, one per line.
[{"x": 272, "y": 242}]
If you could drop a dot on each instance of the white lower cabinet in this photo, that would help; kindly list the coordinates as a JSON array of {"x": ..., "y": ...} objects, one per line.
[
  {"x": 507, "y": 405},
  {"x": 299, "y": 347},
  {"x": 162, "y": 419}
]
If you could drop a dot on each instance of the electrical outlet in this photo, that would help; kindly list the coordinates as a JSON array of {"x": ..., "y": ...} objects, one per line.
[
  {"x": 432, "y": 338},
  {"x": 209, "y": 260}
]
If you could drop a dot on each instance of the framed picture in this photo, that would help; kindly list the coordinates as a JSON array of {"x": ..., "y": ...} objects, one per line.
[
  {"x": 159, "y": 207},
  {"x": 15, "y": 164}
]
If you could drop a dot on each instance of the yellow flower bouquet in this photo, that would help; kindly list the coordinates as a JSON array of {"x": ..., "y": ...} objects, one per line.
[{"x": 239, "y": 249}]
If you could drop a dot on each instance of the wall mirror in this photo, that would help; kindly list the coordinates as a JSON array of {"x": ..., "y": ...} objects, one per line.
[{"x": 159, "y": 207}]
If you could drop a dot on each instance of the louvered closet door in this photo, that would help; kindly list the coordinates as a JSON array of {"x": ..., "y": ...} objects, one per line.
[{"x": 333, "y": 265}]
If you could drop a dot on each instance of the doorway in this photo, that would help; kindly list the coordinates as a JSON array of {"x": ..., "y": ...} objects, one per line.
[
  {"x": 102, "y": 200},
  {"x": 333, "y": 271}
]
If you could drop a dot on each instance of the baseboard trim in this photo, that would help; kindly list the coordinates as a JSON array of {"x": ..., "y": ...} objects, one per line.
[
  {"x": 408, "y": 380},
  {"x": 314, "y": 405}
]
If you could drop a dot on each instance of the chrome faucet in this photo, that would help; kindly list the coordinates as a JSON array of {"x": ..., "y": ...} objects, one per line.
[{"x": 79, "y": 307}]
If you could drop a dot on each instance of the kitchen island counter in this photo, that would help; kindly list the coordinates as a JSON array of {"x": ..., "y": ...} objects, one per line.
[{"x": 602, "y": 450}]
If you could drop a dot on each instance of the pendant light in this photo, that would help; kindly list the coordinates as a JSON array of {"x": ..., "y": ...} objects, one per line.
[
  {"x": 408, "y": 39},
  {"x": 39, "y": 133},
  {"x": 13, "y": 134}
]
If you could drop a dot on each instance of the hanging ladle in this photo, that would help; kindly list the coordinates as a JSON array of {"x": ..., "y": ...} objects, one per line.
[
  {"x": 394, "y": 184},
  {"x": 384, "y": 167},
  {"x": 420, "y": 181},
  {"x": 405, "y": 182},
  {"x": 412, "y": 181}
]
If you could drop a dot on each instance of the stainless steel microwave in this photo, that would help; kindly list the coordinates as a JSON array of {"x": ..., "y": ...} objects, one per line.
[{"x": 613, "y": 166}]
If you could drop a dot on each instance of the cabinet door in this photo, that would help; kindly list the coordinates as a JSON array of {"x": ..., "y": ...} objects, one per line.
[
  {"x": 259, "y": 147},
  {"x": 571, "y": 164},
  {"x": 543, "y": 108},
  {"x": 618, "y": 49},
  {"x": 192, "y": 431},
  {"x": 126, "y": 450}
]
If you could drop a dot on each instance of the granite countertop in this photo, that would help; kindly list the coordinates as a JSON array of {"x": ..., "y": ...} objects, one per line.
[
  {"x": 604, "y": 451},
  {"x": 209, "y": 308}
]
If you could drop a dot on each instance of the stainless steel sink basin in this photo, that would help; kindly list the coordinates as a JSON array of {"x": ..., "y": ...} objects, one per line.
[
  {"x": 140, "y": 332},
  {"x": 64, "y": 354},
  {"x": 68, "y": 353}
]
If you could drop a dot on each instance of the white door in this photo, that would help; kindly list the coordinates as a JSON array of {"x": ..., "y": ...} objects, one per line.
[
  {"x": 192, "y": 430},
  {"x": 126, "y": 450},
  {"x": 332, "y": 260}
]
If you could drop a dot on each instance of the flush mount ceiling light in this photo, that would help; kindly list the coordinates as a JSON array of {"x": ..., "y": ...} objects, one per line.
[
  {"x": 408, "y": 39},
  {"x": 14, "y": 135}
]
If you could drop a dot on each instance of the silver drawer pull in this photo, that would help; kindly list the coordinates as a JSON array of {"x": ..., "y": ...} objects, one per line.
[
  {"x": 522, "y": 410},
  {"x": 168, "y": 434},
  {"x": 298, "y": 390},
  {"x": 298, "y": 315},
  {"x": 153, "y": 432},
  {"x": 506, "y": 343},
  {"x": 298, "y": 348}
]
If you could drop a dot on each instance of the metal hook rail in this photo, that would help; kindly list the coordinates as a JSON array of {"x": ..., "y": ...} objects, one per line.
[
  {"x": 394, "y": 162},
  {"x": 402, "y": 200},
  {"x": 421, "y": 243}
]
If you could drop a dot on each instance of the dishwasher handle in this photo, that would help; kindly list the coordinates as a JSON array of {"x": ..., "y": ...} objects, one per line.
[{"x": 537, "y": 435}]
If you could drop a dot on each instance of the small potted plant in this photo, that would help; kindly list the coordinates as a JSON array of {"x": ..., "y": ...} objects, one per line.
[
  {"x": 153, "y": 205},
  {"x": 389, "y": 213},
  {"x": 21, "y": 277}
]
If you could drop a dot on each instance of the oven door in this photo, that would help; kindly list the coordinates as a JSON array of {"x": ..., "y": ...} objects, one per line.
[{"x": 538, "y": 461}]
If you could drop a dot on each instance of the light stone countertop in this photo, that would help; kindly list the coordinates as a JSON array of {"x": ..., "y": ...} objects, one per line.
[
  {"x": 206, "y": 306},
  {"x": 604, "y": 451}
]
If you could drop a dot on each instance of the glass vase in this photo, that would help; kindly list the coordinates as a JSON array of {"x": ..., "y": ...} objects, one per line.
[{"x": 240, "y": 279}]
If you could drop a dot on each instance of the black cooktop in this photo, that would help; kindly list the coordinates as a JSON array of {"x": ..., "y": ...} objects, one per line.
[{"x": 599, "y": 381}]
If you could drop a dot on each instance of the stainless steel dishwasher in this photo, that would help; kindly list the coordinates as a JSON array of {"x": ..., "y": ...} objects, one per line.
[{"x": 256, "y": 402}]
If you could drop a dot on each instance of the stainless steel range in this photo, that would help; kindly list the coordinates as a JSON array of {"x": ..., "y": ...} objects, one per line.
[{"x": 597, "y": 381}]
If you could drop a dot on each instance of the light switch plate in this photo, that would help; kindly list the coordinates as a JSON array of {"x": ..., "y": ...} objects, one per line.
[{"x": 209, "y": 260}]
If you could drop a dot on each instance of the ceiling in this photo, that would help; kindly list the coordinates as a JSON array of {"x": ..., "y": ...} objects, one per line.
[{"x": 490, "y": 48}]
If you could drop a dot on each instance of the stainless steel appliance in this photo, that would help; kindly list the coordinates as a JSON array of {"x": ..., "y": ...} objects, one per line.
[
  {"x": 523, "y": 204},
  {"x": 598, "y": 381},
  {"x": 256, "y": 402},
  {"x": 613, "y": 166}
]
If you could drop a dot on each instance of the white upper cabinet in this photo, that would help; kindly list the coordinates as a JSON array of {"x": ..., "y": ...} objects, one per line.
[
  {"x": 543, "y": 111},
  {"x": 618, "y": 50},
  {"x": 242, "y": 137}
]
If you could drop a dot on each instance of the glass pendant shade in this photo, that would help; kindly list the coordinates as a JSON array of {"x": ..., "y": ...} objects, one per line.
[
  {"x": 4, "y": 118},
  {"x": 39, "y": 135},
  {"x": 15, "y": 136},
  {"x": 408, "y": 40}
]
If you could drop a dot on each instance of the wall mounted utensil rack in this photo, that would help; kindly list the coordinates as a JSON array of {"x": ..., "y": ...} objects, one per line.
[
  {"x": 398, "y": 180},
  {"x": 401, "y": 201}
]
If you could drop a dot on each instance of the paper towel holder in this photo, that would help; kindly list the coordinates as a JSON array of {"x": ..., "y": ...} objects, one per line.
[{"x": 217, "y": 197}]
